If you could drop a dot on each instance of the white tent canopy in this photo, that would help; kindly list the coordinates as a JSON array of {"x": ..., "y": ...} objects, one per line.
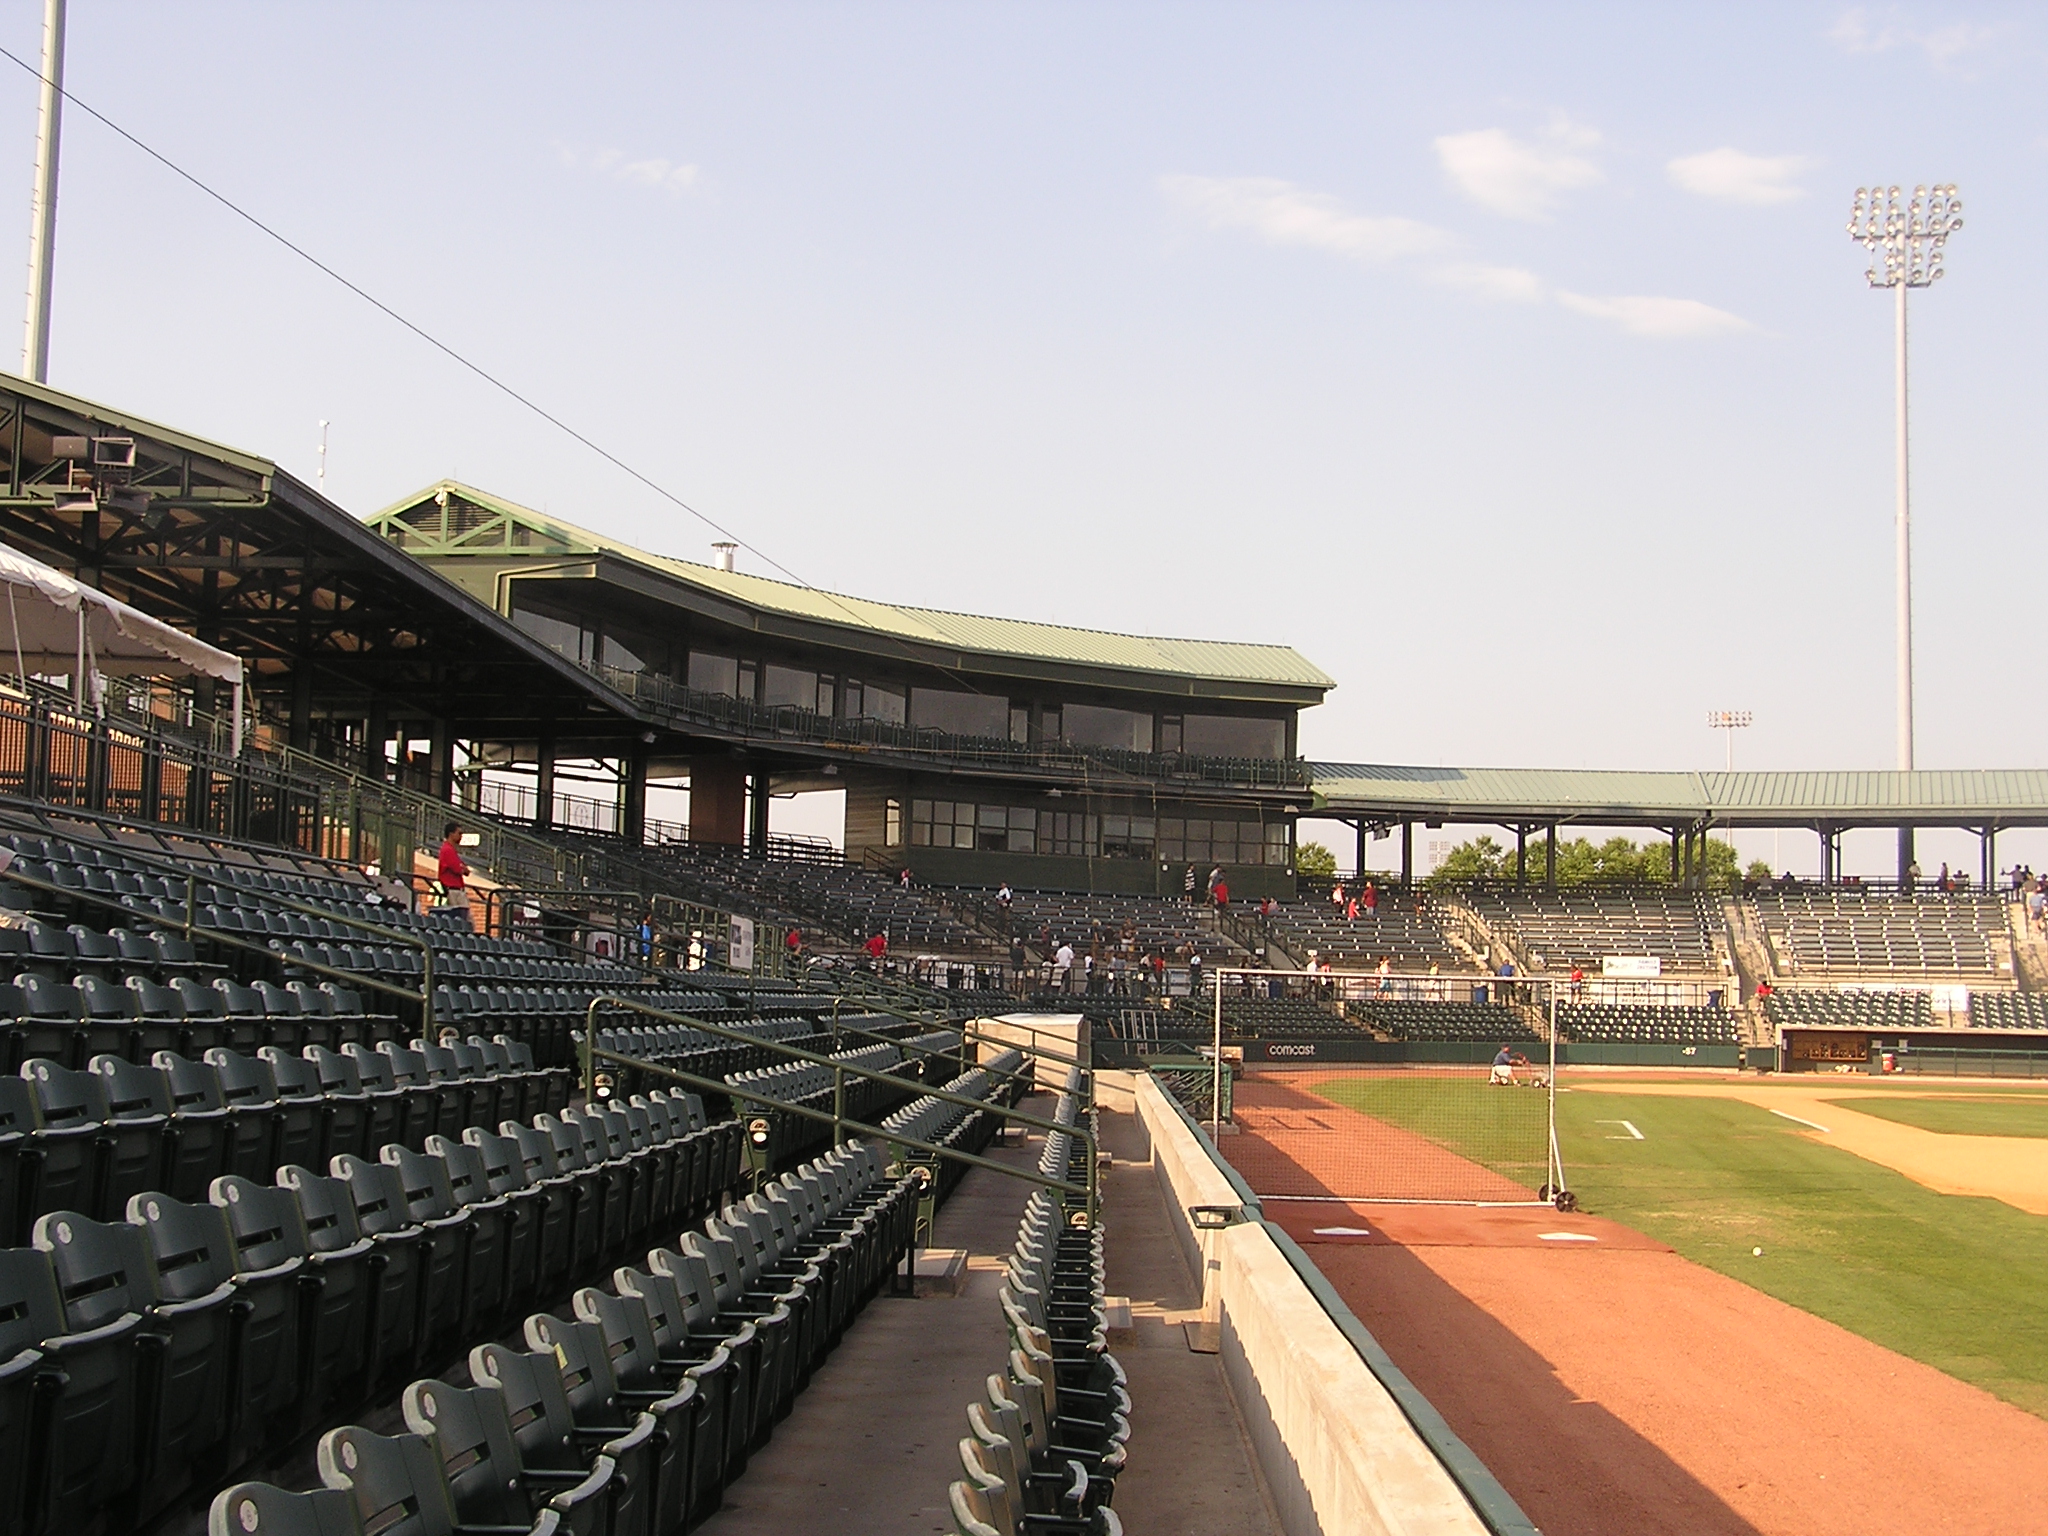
[{"x": 57, "y": 624}]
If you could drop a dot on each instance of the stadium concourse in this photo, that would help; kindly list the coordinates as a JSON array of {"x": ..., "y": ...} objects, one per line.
[{"x": 667, "y": 1175}]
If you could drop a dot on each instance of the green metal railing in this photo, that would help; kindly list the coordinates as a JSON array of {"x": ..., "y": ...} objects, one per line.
[{"x": 593, "y": 1054}]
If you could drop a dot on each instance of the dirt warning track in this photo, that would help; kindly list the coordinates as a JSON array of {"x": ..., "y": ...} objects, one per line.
[{"x": 1617, "y": 1389}]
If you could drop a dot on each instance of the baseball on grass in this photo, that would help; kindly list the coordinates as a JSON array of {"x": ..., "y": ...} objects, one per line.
[{"x": 1758, "y": 1252}]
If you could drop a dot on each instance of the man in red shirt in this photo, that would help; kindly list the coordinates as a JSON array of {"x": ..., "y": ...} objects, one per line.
[
  {"x": 454, "y": 874},
  {"x": 877, "y": 946}
]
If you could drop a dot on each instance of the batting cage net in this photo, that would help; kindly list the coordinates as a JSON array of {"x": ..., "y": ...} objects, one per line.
[{"x": 1481, "y": 1130}]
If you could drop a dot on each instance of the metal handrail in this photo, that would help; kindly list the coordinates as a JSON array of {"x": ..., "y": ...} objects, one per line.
[{"x": 593, "y": 1053}]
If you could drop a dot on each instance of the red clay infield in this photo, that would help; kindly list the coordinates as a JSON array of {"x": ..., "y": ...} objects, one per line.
[{"x": 1616, "y": 1389}]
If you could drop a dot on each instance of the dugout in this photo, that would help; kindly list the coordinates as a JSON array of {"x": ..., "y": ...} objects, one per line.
[{"x": 1932, "y": 1052}]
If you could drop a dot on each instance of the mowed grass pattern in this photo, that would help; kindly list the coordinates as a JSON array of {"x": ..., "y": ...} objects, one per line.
[
  {"x": 1950, "y": 1281},
  {"x": 1978, "y": 1115}
]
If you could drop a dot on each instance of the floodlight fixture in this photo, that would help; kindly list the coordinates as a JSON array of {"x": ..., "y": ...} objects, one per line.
[{"x": 1905, "y": 236}]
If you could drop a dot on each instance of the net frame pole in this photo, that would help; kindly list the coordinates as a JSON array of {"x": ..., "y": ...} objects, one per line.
[{"x": 1216, "y": 1076}]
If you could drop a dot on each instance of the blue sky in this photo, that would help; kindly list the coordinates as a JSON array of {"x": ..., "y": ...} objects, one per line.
[{"x": 1511, "y": 362}]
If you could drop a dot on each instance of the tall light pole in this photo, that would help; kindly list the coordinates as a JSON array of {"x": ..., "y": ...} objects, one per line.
[
  {"x": 1731, "y": 721},
  {"x": 42, "y": 228},
  {"x": 1904, "y": 237}
]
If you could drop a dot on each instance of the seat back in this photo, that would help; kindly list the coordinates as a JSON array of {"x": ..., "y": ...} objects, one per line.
[
  {"x": 258, "y": 1509},
  {"x": 394, "y": 1481}
]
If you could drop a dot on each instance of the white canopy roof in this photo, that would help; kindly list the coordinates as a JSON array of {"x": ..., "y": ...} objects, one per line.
[{"x": 54, "y": 622}]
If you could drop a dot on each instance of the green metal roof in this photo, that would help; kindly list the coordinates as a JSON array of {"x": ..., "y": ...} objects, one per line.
[
  {"x": 1946, "y": 797},
  {"x": 513, "y": 531}
]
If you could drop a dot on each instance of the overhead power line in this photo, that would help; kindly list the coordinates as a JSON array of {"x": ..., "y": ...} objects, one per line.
[{"x": 421, "y": 332}]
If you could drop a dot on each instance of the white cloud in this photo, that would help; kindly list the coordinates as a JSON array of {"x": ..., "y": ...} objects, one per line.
[
  {"x": 1856, "y": 32},
  {"x": 1730, "y": 176},
  {"x": 1662, "y": 319},
  {"x": 1510, "y": 284},
  {"x": 1284, "y": 214},
  {"x": 1519, "y": 178},
  {"x": 671, "y": 176}
]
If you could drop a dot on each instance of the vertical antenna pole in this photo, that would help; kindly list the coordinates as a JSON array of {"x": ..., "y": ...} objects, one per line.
[{"x": 42, "y": 230}]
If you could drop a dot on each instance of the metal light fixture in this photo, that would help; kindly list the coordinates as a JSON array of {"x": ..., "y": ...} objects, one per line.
[
  {"x": 1905, "y": 237},
  {"x": 1731, "y": 721}
]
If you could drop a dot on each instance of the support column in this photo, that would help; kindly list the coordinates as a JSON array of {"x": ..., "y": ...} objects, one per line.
[
  {"x": 440, "y": 758},
  {"x": 376, "y": 733},
  {"x": 1550, "y": 857},
  {"x": 633, "y": 794},
  {"x": 1987, "y": 858},
  {"x": 1358, "y": 860},
  {"x": 1677, "y": 865},
  {"x": 1521, "y": 855},
  {"x": 1905, "y": 854},
  {"x": 544, "y": 778},
  {"x": 1407, "y": 855},
  {"x": 301, "y": 737},
  {"x": 718, "y": 800},
  {"x": 757, "y": 814}
]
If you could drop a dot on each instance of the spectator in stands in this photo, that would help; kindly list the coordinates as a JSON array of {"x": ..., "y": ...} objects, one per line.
[
  {"x": 1912, "y": 876},
  {"x": 1220, "y": 894},
  {"x": 1385, "y": 974},
  {"x": 793, "y": 942},
  {"x": 1578, "y": 982},
  {"x": 453, "y": 873},
  {"x": 1351, "y": 909},
  {"x": 1195, "y": 974},
  {"x": 877, "y": 948},
  {"x": 1117, "y": 982},
  {"x": 904, "y": 878},
  {"x": 1017, "y": 958},
  {"x": 1187, "y": 885},
  {"x": 1159, "y": 971},
  {"x": 1372, "y": 899},
  {"x": 1003, "y": 900},
  {"x": 1062, "y": 966},
  {"x": 645, "y": 936},
  {"x": 1763, "y": 991},
  {"x": 1941, "y": 881},
  {"x": 1337, "y": 894}
]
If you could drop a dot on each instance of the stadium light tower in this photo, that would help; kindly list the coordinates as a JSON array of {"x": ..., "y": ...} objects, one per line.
[
  {"x": 42, "y": 227},
  {"x": 1731, "y": 721},
  {"x": 1905, "y": 237}
]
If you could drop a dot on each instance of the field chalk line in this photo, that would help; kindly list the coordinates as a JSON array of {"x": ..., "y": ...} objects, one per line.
[
  {"x": 1627, "y": 1125},
  {"x": 1796, "y": 1120}
]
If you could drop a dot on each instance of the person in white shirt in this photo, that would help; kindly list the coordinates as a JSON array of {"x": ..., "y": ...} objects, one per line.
[{"x": 1062, "y": 963}]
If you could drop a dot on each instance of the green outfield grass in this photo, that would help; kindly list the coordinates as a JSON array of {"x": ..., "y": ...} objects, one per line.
[
  {"x": 1978, "y": 1115},
  {"x": 1951, "y": 1281}
]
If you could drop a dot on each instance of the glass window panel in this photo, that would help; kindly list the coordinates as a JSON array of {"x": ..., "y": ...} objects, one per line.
[
  {"x": 993, "y": 816},
  {"x": 959, "y": 714},
  {"x": 789, "y": 685},
  {"x": 1173, "y": 827},
  {"x": 1022, "y": 819},
  {"x": 1233, "y": 736},
  {"x": 1172, "y": 851},
  {"x": 1118, "y": 827},
  {"x": 1198, "y": 831},
  {"x": 921, "y": 810},
  {"x": 561, "y": 635},
  {"x": 1276, "y": 834},
  {"x": 1020, "y": 722},
  {"x": 920, "y": 834},
  {"x": 714, "y": 674},
  {"x": 1049, "y": 725},
  {"x": 849, "y": 699},
  {"x": 942, "y": 810},
  {"x": 828, "y": 694},
  {"x": 1020, "y": 840},
  {"x": 1169, "y": 733},
  {"x": 1142, "y": 829},
  {"x": 748, "y": 689},
  {"x": 879, "y": 701},
  {"x": 892, "y": 823},
  {"x": 963, "y": 837},
  {"x": 1092, "y": 725}
]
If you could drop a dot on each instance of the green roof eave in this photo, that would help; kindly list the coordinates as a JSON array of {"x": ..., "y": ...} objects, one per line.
[{"x": 1221, "y": 663}]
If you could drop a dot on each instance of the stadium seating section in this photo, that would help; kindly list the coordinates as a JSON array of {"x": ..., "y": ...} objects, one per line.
[
  {"x": 1633, "y": 1023},
  {"x": 2008, "y": 1010},
  {"x": 1877, "y": 932},
  {"x": 1412, "y": 1019},
  {"x": 1394, "y": 931},
  {"x": 1158, "y": 925},
  {"x": 1857, "y": 1008},
  {"x": 1046, "y": 1441},
  {"x": 1568, "y": 928}
]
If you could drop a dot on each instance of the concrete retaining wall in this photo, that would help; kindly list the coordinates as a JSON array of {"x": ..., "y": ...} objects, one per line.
[{"x": 1338, "y": 1453}]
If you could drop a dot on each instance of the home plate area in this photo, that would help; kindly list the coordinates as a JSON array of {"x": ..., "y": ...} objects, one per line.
[{"x": 1452, "y": 1226}]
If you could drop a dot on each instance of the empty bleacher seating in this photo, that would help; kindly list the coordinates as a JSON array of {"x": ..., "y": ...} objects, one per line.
[
  {"x": 1046, "y": 1441},
  {"x": 1394, "y": 930},
  {"x": 1429, "y": 1020},
  {"x": 1873, "y": 932},
  {"x": 1579, "y": 927},
  {"x": 1849, "y": 1008},
  {"x": 1646, "y": 1023}
]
